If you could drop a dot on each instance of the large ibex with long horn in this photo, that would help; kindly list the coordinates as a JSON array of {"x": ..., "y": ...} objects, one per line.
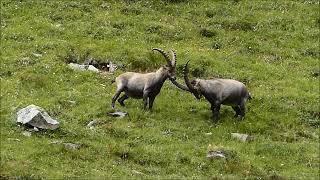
[
  {"x": 146, "y": 86},
  {"x": 217, "y": 91}
]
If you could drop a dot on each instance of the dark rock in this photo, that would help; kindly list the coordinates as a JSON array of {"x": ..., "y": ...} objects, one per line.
[{"x": 316, "y": 73}]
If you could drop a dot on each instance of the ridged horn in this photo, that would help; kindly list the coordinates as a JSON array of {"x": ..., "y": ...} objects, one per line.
[
  {"x": 166, "y": 56},
  {"x": 174, "y": 58},
  {"x": 188, "y": 83},
  {"x": 180, "y": 86}
]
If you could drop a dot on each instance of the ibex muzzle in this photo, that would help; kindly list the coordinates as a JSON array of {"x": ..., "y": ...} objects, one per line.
[
  {"x": 217, "y": 91},
  {"x": 146, "y": 86}
]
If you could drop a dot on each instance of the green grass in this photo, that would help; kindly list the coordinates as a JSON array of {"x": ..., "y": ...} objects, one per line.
[{"x": 271, "y": 46}]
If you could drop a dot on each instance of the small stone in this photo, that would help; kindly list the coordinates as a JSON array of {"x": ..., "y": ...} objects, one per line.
[
  {"x": 105, "y": 5},
  {"x": 112, "y": 67},
  {"x": 93, "y": 123},
  {"x": 72, "y": 102},
  {"x": 26, "y": 133},
  {"x": 37, "y": 55},
  {"x": 72, "y": 146},
  {"x": 137, "y": 172},
  {"x": 82, "y": 67},
  {"x": 35, "y": 129},
  {"x": 209, "y": 134},
  {"x": 241, "y": 137},
  {"x": 118, "y": 114},
  {"x": 217, "y": 154},
  {"x": 77, "y": 66},
  {"x": 92, "y": 68},
  {"x": 56, "y": 142},
  {"x": 167, "y": 132}
]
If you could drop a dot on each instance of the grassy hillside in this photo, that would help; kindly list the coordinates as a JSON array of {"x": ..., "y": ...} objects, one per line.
[{"x": 271, "y": 46}]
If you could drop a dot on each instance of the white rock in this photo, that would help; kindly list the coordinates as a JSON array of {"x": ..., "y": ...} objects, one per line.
[
  {"x": 78, "y": 66},
  {"x": 112, "y": 67},
  {"x": 137, "y": 172},
  {"x": 241, "y": 137},
  {"x": 72, "y": 146},
  {"x": 37, "y": 54},
  {"x": 56, "y": 142},
  {"x": 93, "y": 123},
  {"x": 36, "y": 117},
  {"x": 118, "y": 114},
  {"x": 92, "y": 68},
  {"x": 216, "y": 155},
  {"x": 82, "y": 67},
  {"x": 26, "y": 133}
]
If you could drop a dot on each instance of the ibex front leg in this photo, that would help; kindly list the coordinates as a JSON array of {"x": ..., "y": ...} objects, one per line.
[
  {"x": 145, "y": 100},
  {"x": 215, "y": 107},
  {"x": 242, "y": 109}
]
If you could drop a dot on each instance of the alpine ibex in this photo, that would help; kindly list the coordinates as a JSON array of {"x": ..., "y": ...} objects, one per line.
[
  {"x": 146, "y": 86},
  {"x": 217, "y": 91}
]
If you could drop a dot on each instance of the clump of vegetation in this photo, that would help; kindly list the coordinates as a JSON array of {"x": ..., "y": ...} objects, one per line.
[{"x": 207, "y": 33}]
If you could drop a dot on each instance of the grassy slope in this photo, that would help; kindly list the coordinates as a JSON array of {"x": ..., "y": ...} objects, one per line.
[{"x": 271, "y": 46}]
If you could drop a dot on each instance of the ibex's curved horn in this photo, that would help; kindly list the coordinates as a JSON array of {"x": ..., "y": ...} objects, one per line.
[
  {"x": 174, "y": 58},
  {"x": 188, "y": 83},
  {"x": 166, "y": 56}
]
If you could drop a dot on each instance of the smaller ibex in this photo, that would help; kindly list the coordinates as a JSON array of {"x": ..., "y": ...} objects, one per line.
[
  {"x": 146, "y": 86},
  {"x": 217, "y": 91}
]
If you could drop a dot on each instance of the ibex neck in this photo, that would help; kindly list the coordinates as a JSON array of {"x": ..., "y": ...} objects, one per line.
[{"x": 161, "y": 75}]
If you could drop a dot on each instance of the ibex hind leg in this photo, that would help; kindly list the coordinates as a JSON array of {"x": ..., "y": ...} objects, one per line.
[
  {"x": 122, "y": 99},
  {"x": 237, "y": 110},
  {"x": 115, "y": 97},
  {"x": 151, "y": 100}
]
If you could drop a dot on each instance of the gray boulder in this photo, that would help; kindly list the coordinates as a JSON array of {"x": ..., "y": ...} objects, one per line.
[{"x": 36, "y": 117}]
